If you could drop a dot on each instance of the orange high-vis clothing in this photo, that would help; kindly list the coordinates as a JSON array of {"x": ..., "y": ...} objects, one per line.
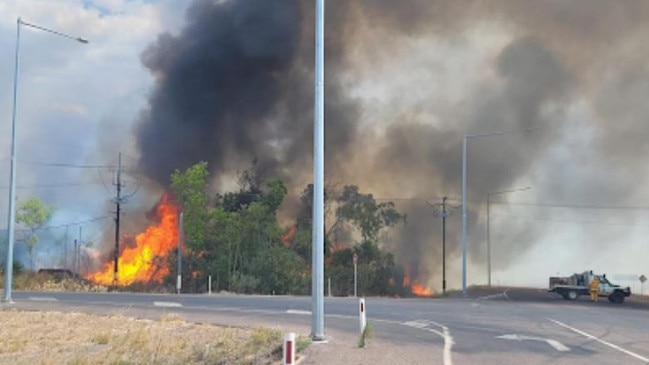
[
  {"x": 594, "y": 290},
  {"x": 594, "y": 284}
]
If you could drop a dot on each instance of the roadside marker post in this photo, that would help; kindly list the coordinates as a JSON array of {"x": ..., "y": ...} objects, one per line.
[
  {"x": 288, "y": 349},
  {"x": 361, "y": 315}
]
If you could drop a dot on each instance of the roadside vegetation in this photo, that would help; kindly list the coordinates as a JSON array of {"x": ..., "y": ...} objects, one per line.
[
  {"x": 238, "y": 240},
  {"x": 79, "y": 339}
]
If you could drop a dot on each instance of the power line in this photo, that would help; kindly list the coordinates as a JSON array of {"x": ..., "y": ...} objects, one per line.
[
  {"x": 54, "y": 185},
  {"x": 577, "y": 206},
  {"x": 71, "y": 223},
  {"x": 598, "y": 222},
  {"x": 70, "y": 165}
]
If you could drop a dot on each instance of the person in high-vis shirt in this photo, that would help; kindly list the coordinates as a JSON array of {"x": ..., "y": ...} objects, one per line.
[{"x": 594, "y": 289}]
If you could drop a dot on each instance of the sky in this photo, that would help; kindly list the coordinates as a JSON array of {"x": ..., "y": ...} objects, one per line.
[
  {"x": 76, "y": 104},
  {"x": 406, "y": 81}
]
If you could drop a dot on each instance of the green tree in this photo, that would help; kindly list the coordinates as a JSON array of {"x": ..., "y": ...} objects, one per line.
[
  {"x": 366, "y": 214},
  {"x": 190, "y": 190},
  {"x": 33, "y": 214},
  {"x": 375, "y": 266},
  {"x": 280, "y": 271}
]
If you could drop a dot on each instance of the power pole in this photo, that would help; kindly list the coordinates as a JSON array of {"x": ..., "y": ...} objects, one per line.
[
  {"x": 65, "y": 249},
  {"x": 179, "y": 282},
  {"x": 118, "y": 201},
  {"x": 77, "y": 253},
  {"x": 446, "y": 210},
  {"x": 444, "y": 245}
]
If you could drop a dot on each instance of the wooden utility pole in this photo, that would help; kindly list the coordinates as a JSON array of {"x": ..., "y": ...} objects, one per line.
[{"x": 118, "y": 201}]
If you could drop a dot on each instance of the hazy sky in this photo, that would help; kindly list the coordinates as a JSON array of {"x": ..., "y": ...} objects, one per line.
[
  {"x": 76, "y": 102},
  {"x": 406, "y": 80}
]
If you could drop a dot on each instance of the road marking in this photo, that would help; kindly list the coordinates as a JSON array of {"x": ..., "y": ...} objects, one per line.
[
  {"x": 554, "y": 343},
  {"x": 445, "y": 334},
  {"x": 613, "y": 346},
  {"x": 297, "y": 311},
  {"x": 503, "y": 294},
  {"x": 167, "y": 304},
  {"x": 43, "y": 299}
]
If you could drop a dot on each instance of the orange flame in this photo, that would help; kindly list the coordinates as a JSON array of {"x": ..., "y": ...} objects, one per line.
[
  {"x": 415, "y": 287},
  {"x": 335, "y": 247},
  {"x": 420, "y": 291},
  {"x": 288, "y": 236},
  {"x": 144, "y": 261},
  {"x": 406, "y": 277}
]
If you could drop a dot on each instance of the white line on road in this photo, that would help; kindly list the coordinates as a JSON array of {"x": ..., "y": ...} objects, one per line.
[
  {"x": 492, "y": 296},
  {"x": 445, "y": 334},
  {"x": 297, "y": 311},
  {"x": 43, "y": 299},
  {"x": 587, "y": 335},
  {"x": 554, "y": 343},
  {"x": 167, "y": 304}
]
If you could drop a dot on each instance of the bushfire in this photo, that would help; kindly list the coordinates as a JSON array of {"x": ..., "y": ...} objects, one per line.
[
  {"x": 143, "y": 258},
  {"x": 415, "y": 287}
]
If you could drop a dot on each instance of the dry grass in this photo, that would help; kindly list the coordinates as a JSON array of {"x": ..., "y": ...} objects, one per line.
[{"x": 81, "y": 339}]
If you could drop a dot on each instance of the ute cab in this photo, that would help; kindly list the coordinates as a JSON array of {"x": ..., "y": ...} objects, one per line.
[{"x": 615, "y": 293}]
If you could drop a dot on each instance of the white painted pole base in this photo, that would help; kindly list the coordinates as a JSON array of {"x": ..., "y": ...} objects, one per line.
[{"x": 288, "y": 349}]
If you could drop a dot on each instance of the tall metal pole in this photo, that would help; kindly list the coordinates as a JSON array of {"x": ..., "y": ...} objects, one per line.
[
  {"x": 74, "y": 258},
  {"x": 464, "y": 201},
  {"x": 179, "y": 283},
  {"x": 489, "y": 229},
  {"x": 317, "y": 277},
  {"x": 12, "y": 179},
  {"x": 77, "y": 253},
  {"x": 464, "y": 215},
  {"x": 444, "y": 245},
  {"x": 9, "y": 267},
  {"x": 65, "y": 248},
  {"x": 488, "y": 243}
]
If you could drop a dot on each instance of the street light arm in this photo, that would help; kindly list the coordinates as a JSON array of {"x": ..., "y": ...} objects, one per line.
[
  {"x": 478, "y": 135},
  {"x": 508, "y": 191},
  {"x": 78, "y": 39}
]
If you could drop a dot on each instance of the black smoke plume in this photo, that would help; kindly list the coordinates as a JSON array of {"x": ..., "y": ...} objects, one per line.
[{"x": 236, "y": 84}]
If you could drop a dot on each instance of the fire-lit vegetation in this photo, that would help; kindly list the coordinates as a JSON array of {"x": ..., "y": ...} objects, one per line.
[
  {"x": 235, "y": 239},
  {"x": 138, "y": 258}
]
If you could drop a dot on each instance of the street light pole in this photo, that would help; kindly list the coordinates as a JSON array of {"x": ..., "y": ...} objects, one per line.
[
  {"x": 464, "y": 201},
  {"x": 489, "y": 195},
  {"x": 12, "y": 179},
  {"x": 444, "y": 245},
  {"x": 317, "y": 276},
  {"x": 464, "y": 142}
]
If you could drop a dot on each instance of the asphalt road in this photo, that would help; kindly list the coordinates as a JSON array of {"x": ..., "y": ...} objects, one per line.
[{"x": 491, "y": 326}]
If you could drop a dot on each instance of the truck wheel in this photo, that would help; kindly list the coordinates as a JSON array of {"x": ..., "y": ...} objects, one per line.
[
  {"x": 616, "y": 297},
  {"x": 572, "y": 295},
  {"x": 565, "y": 296}
]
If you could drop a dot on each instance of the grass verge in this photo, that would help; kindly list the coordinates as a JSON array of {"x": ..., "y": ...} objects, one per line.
[{"x": 28, "y": 338}]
